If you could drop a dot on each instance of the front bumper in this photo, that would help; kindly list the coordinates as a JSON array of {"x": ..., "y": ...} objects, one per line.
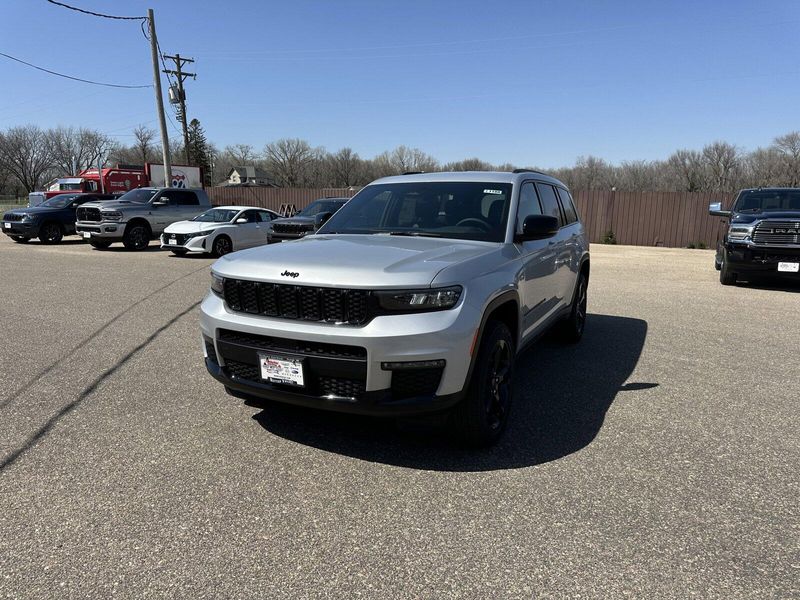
[
  {"x": 106, "y": 231},
  {"x": 345, "y": 358},
  {"x": 28, "y": 229},
  {"x": 196, "y": 244},
  {"x": 285, "y": 237},
  {"x": 761, "y": 260}
]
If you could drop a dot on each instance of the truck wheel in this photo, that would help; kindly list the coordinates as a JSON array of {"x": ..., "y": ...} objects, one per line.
[
  {"x": 100, "y": 245},
  {"x": 481, "y": 417},
  {"x": 50, "y": 233},
  {"x": 222, "y": 245},
  {"x": 571, "y": 329},
  {"x": 20, "y": 239},
  {"x": 726, "y": 277},
  {"x": 136, "y": 237}
]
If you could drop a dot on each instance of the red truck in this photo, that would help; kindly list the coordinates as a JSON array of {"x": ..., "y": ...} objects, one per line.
[{"x": 119, "y": 179}]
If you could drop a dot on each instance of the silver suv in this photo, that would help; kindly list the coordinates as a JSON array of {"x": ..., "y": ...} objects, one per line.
[
  {"x": 415, "y": 297},
  {"x": 138, "y": 216}
]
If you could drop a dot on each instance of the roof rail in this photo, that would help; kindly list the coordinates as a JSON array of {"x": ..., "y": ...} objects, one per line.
[
  {"x": 413, "y": 173},
  {"x": 528, "y": 171}
]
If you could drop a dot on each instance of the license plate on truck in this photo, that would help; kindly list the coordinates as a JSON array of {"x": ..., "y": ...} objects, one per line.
[
  {"x": 281, "y": 370},
  {"x": 7, "y": 225},
  {"x": 789, "y": 267},
  {"x": 87, "y": 234}
]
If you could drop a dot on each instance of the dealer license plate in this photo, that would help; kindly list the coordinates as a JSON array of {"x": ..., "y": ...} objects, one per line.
[
  {"x": 87, "y": 234},
  {"x": 7, "y": 225},
  {"x": 173, "y": 241},
  {"x": 281, "y": 370},
  {"x": 789, "y": 267}
]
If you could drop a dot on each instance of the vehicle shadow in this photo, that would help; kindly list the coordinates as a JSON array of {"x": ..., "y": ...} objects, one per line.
[
  {"x": 562, "y": 393},
  {"x": 772, "y": 285},
  {"x": 153, "y": 247}
]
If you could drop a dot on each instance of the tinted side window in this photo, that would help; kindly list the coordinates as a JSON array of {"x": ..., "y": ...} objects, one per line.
[
  {"x": 568, "y": 205},
  {"x": 265, "y": 216},
  {"x": 528, "y": 204},
  {"x": 252, "y": 216},
  {"x": 547, "y": 195},
  {"x": 187, "y": 199}
]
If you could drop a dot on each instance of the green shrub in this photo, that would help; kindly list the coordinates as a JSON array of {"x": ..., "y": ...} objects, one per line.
[{"x": 609, "y": 237}]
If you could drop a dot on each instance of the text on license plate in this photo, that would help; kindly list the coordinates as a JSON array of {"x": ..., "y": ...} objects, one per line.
[
  {"x": 7, "y": 225},
  {"x": 87, "y": 234},
  {"x": 789, "y": 267},
  {"x": 281, "y": 370}
]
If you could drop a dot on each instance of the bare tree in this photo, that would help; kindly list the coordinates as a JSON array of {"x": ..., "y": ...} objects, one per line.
[
  {"x": 288, "y": 160},
  {"x": 765, "y": 167},
  {"x": 345, "y": 168},
  {"x": 788, "y": 147},
  {"x": 722, "y": 160},
  {"x": 25, "y": 152},
  {"x": 143, "y": 144},
  {"x": 76, "y": 149},
  {"x": 592, "y": 173},
  {"x": 468, "y": 164},
  {"x": 241, "y": 154},
  {"x": 688, "y": 170}
]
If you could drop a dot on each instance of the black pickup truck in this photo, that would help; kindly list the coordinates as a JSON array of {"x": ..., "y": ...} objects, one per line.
[
  {"x": 307, "y": 220},
  {"x": 49, "y": 221},
  {"x": 763, "y": 236}
]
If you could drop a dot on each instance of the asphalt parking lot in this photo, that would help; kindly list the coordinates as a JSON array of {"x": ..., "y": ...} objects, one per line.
[{"x": 657, "y": 459}]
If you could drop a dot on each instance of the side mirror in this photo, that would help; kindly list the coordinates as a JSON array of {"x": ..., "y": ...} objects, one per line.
[
  {"x": 321, "y": 219},
  {"x": 241, "y": 220},
  {"x": 715, "y": 210},
  {"x": 537, "y": 227}
]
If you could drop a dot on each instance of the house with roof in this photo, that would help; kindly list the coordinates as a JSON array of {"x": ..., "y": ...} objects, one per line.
[{"x": 249, "y": 175}]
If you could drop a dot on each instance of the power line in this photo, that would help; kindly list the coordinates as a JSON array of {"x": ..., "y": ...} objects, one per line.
[
  {"x": 114, "y": 85},
  {"x": 96, "y": 14}
]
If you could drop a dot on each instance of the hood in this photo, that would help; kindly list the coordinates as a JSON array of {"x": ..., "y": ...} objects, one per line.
[
  {"x": 112, "y": 204},
  {"x": 351, "y": 261},
  {"x": 35, "y": 210},
  {"x": 192, "y": 227},
  {"x": 749, "y": 217}
]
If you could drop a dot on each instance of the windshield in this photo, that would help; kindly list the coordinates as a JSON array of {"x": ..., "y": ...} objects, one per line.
[
  {"x": 764, "y": 200},
  {"x": 320, "y": 206},
  {"x": 69, "y": 186},
  {"x": 59, "y": 201},
  {"x": 140, "y": 196},
  {"x": 449, "y": 209},
  {"x": 216, "y": 215}
]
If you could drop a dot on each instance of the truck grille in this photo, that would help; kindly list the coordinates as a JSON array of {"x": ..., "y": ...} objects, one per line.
[
  {"x": 291, "y": 228},
  {"x": 88, "y": 213},
  {"x": 782, "y": 233},
  {"x": 12, "y": 217},
  {"x": 297, "y": 302}
]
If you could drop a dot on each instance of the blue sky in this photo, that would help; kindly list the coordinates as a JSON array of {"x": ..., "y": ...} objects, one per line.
[{"x": 534, "y": 83}]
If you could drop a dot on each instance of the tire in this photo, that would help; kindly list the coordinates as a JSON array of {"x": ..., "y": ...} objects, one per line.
[
  {"x": 726, "y": 276},
  {"x": 571, "y": 329},
  {"x": 481, "y": 417},
  {"x": 717, "y": 265},
  {"x": 179, "y": 251},
  {"x": 136, "y": 237},
  {"x": 20, "y": 239},
  {"x": 222, "y": 246},
  {"x": 50, "y": 233},
  {"x": 100, "y": 245}
]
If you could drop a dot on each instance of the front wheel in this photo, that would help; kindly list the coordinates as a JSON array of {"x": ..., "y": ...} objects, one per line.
[
  {"x": 726, "y": 276},
  {"x": 481, "y": 417},
  {"x": 222, "y": 246},
  {"x": 137, "y": 237},
  {"x": 50, "y": 233}
]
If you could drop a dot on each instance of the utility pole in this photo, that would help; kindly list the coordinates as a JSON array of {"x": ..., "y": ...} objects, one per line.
[
  {"x": 181, "y": 95},
  {"x": 159, "y": 100}
]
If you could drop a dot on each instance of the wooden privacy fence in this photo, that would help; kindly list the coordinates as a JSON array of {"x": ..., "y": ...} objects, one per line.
[{"x": 671, "y": 219}]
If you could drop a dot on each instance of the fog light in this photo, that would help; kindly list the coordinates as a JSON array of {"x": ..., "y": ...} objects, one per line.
[
  {"x": 417, "y": 364},
  {"x": 109, "y": 229}
]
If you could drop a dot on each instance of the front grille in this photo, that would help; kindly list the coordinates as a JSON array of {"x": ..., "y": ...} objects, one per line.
[
  {"x": 342, "y": 387},
  {"x": 297, "y": 302},
  {"x": 88, "y": 213},
  {"x": 281, "y": 345},
  {"x": 291, "y": 228},
  {"x": 242, "y": 370},
  {"x": 410, "y": 383},
  {"x": 12, "y": 217},
  {"x": 180, "y": 238},
  {"x": 782, "y": 233}
]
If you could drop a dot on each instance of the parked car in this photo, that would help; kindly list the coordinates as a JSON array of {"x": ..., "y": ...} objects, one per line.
[
  {"x": 416, "y": 297},
  {"x": 138, "y": 216},
  {"x": 220, "y": 230},
  {"x": 307, "y": 220},
  {"x": 50, "y": 221},
  {"x": 763, "y": 236}
]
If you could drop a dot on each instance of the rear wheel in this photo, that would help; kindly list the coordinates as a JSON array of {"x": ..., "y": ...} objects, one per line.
[
  {"x": 726, "y": 276},
  {"x": 571, "y": 329},
  {"x": 137, "y": 237},
  {"x": 100, "y": 245},
  {"x": 50, "y": 233},
  {"x": 481, "y": 417},
  {"x": 20, "y": 239},
  {"x": 222, "y": 245}
]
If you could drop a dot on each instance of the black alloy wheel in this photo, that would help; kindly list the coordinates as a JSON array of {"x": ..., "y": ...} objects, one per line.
[
  {"x": 136, "y": 237},
  {"x": 222, "y": 246},
  {"x": 50, "y": 233}
]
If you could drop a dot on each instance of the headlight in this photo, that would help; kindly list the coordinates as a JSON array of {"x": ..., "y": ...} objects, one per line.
[
  {"x": 196, "y": 234},
  {"x": 413, "y": 300},
  {"x": 740, "y": 233},
  {"x": 217, "y": 284},
  {"x": 28, "y": 217},
  {"x": 111, "y": 215}
]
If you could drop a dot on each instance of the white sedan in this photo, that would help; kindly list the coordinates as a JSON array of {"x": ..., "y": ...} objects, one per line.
[{"x": 220, "y": 230}]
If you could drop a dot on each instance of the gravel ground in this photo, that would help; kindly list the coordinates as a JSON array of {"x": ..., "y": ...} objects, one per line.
[{"x": 657, "y": 459}]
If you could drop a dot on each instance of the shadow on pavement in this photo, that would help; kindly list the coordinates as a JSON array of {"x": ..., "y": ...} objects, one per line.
[{"x": 561, "y": 397}]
